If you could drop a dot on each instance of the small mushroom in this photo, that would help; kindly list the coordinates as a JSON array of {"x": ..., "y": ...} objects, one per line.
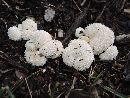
[
  {"x": 52, "y": 49},
  {"x": 29, "y": 24},
  {"x": 30, "y": 46},
  {"x": 14, "y": 33},
  {"x": 41, "y": 37},
  {"x": 79, "y": 32},
  {"x": 109, "y": 54},
  {"x": 34, "y": 58}
]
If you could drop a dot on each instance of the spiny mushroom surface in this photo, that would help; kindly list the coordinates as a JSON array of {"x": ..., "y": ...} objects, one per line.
[
  {"x": 109, "y": 54},
  {"x": 14, "y": 33},
  {"x": 101, "y": 37},
  {"x": 78, "y": 54},
  {"x": 52, "y": 49},
  {"x": 24, "y": 31},
  {"x": 28, "y": 27},
  {"x": 41, "y": 37},
  {"x": 27, "y": 34},
  {"x": 29, "y": 24},
  {"x": 30, "y": 45},
  {"x": 34, "y": 58},
  {"x": 32, "y": 55}
]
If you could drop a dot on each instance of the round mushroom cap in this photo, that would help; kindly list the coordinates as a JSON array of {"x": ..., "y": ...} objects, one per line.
[
  {"x": 49, "y": 14},
  {"x": 78, "y": 54},
  {"x": 27, "y": 34},
  {"x": 30, "y": 46},
  {"x": 109, "y": 54},
  {"x": 14, "y": 33},
  {"x": 79, "y": 32},
  {"x": 29, "y": 24},
  {"x": 52, "y": 49},
  {"x": 101, "y": 37},
  {"x": 34, "y": 58},
  {"x": 41, "y": 37}
]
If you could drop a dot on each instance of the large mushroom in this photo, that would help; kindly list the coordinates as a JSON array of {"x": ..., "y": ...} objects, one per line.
[
  {"x": 78, "y": 54},
  {"x": 101, "y": 37}
]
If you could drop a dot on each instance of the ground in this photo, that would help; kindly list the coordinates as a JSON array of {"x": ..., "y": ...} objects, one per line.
[{"x": 105, "y": 79}]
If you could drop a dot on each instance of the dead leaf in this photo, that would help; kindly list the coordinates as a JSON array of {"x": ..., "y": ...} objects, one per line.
[{"x": 19, "y": 74}]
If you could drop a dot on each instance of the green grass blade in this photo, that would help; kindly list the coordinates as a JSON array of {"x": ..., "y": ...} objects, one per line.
[
  {"x": 10, "y": 94},
  {"x": 97, "y": 78},
  {"x": 114, "y": 92},
  {"x": 1, "y": 92}
]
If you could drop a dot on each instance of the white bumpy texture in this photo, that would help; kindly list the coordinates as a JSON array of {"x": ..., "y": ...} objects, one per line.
[{"x": 78, "y": 54}]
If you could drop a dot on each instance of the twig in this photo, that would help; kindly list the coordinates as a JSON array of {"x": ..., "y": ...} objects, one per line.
[
  {"x": 127, "y": 11},
  {"x": 49, "y": 90},
  {"x": 9, "y": 7},
  {"x": 121, "y": 37},
  {"x": 82, "y": 4},
  {"x": 75, "y": 24},
  {"x": 4, "y": 22},
  {"x": 7, "y": 4},
  {"x": 127, "y": 68},
  {"x": 28, "y": 88},
  {"x": 77, "y": 6},
  {"x": 91, "y": 72},
  {"x": 100, "y": 1},
  {"x": 72, "y": 87},
  {"x": 11, "y": 61},
  {"x": 99, "y": 16},
  {"x": 110, "y": 61},
  {"x": 59, "y": 95},
  {"x": 22, "y": 80},
  {"x": 123, "y": 3},
  {"x": 5, "y": 71}
]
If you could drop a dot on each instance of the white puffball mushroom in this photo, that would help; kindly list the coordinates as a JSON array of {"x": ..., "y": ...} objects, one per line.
[
  {"x": 28, "y": 27},
  {"x": 67, "y": 56},
  {"x": 84, "y": 63},
  {"x": 41, "y": 37},
  {"x": 79, "y": 32},
  {"x": 35, "y": 58},
  {"x": 60, "y": 33},
  {"x": 78, "y": 54},
  {"x": 52, "y": 49},
  {"x": 100, "y": 44},
  {"x": 49, "y": 14},
  {"x": 27, "y": 34},
  {"x": 109, "y": 54},
  {"x": 101, "y": 37},
  {"x": 29, "y": 24},
  {"x": 14, "y": 33},
  {"x": 30, "y": 46}
]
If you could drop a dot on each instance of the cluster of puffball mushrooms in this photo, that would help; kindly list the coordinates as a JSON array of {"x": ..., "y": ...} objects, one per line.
[{"x": 95, "y": 39}]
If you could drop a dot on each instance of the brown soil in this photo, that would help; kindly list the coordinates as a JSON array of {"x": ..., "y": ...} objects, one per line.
[{"x": 58, "y": 77}]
